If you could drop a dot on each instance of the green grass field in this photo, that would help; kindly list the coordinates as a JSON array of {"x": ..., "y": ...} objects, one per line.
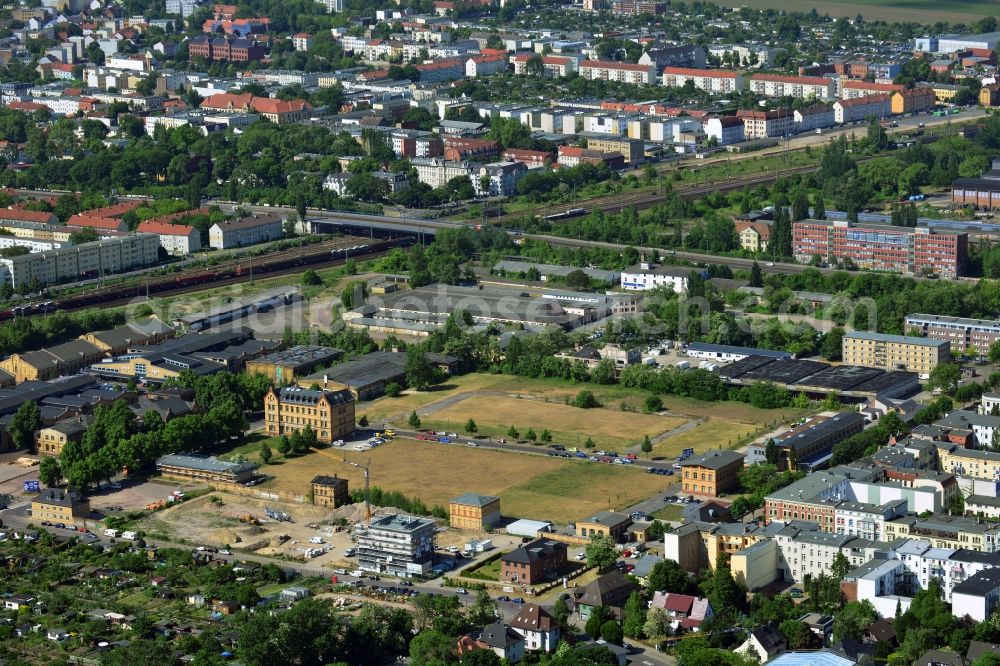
[
  {"x": 578, "y": 490},
  {"x": 923, "y": 11}
]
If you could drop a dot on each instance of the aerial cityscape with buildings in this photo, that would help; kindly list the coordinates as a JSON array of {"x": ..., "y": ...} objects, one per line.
[{"x": 475, "y": 333}]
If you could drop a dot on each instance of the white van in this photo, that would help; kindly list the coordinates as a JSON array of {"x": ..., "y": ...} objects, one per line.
[
  {"x": 131, "y": 536},
  {"x": 316, "y": 539},
  {"x": 111, "y": 532}
]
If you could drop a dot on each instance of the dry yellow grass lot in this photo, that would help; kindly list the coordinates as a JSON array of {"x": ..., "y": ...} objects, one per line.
[
  {"x": 529, "y": 486},
  {"x": 433, "y": 472},
  {"x": 568, "y": 425},
  {"x": 714, "y": 433}
]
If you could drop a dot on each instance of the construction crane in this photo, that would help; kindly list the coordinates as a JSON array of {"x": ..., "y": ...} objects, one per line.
[{"x": 367, "y": 468}]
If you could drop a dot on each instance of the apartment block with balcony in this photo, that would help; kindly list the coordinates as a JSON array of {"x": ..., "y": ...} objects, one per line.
[
  {"x": 965, "y": 335},
  {"x": 398, "y": 545},
  {"x": 892, "y": 352}
]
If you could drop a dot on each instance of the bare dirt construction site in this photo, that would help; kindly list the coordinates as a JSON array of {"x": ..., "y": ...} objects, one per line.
[{"x": 215, "y": 520}]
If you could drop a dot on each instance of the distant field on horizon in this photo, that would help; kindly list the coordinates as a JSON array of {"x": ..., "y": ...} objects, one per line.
[{"x": 922, "y": 11}]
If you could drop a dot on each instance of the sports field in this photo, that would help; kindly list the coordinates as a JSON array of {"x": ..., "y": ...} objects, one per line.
[
  {"x": 921, "y": 11},
  {"x": 529, "y": 485}
]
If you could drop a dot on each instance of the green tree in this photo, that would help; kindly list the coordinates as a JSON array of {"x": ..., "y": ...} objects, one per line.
[
  {"x": 653, "y": 404},
  {"x": 586, "y": 400},
  {"x": 419, "y": 372},
  {"x": 756, "y": 276},
  {"x": 647, "y": 445},
  {"x": 265, "y": 453},
  {"x": 484, "y": 609},
  {"x": 853, "y": 620},
  {"x": 597, "y": 618},
  {"x": 831, "y": 347},
  {"x": 668, "y": 576},
  {"x": 841, "y": 566},
  {"x": 49, "y": 472},
  {"x": 604, "y": 372},
  {"x": 611, "y": 632},
  {"x": 635, "y": 616},
  {"x": 414, "y": 420},
  {"x": 393, "y": 390},
  {"x": 470, "y": 426},
  {"x": 658, "y": 624},
  {"x": 513, "y": 433},
  {"x": 546, "y": 436},
  {"x": 363, "y": 421},
  {"x": 311, "y": 278},
  {"x": 284, "y": 445},
  {"x": 561, "y": 612},
  {"x": 577, "y": 280},
  {"x": 945, "y": 377},
  {"x": 601, "y": 552},
  {"x": 24, "y": 423},
  {"x": 530, "y": 435}
]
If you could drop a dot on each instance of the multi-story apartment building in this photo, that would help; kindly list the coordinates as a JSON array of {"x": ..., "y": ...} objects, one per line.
[
  {"x": 498, "y": 179},
  {"x": 855, "y": 89},
  {"x": 246, "y": 231},
  {"x": 175, "y": 239},
  {"x": 965, "y": 335},
  {"x": 815, "y": 116},
  {"x": 56, "y": 505},
  {"x": 485, "y": 65},
  {"x": 865, "y": 520},
  {"x": 983, "y": 427},
  {"x": 800, "y": 87},
  {"x": 721, "y": 81},
  {"x": 878, "y": 247},
  {"x": 853, "y": 109},
  {"x": 618, "y": 71},
  {"x": 726, "y": 130},
  {"x": 552, "y": 66},
  {"x": 809, "y": 443},
  {"x": 398, "y": 545},
  {"x": 631, "y": 149},
  {"x": 224, "y": 48},
  {"x": 291, "y": 409},
  {"x": 711, "y": 473},
  {"x": 761, "y": 57},
  {"x": 913, "y": 100},
  {"x": 892, "y": 352},
  {"x": 763, "y": 124},
  {"x": 436, "y": 172},
  {"x": 681, "y": 55},
  {"x": 103, "y": 257},
  {"x": 754, "y": 236},
  {"x": 944, "y": 531},
  {"x": 970, "y": 463}
]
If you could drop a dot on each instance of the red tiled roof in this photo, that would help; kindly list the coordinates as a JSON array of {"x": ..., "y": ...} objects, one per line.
[
  {"x": 27, "y": 107},
  {"x": 108, "y": 223},
  {"x": 863, "y": 100},
  {"x": 804, "y": 80},
  {"x": 604, "y": 64},
  {"x": 164, "y": 228},
  {"x": 709, "y": 73},
  {"x": 866, "y": 85},
  {"x": 26, "y": 215}
]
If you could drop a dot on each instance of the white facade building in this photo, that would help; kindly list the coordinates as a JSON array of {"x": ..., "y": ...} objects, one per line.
[
  {"x": 645, "y": 276},
  {"x": 246, "y": 231},
  {"x": 719, "y": 81}
]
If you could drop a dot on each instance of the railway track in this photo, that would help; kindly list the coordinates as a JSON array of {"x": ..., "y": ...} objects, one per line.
[
  {"x": 288, "y": 262},
  {"x": 648, "y": 198}
]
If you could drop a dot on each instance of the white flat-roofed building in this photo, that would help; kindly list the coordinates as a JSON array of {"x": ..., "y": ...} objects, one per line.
[
  {"x": 75, "y": 262},
  {"x": 645, "y": 276}
]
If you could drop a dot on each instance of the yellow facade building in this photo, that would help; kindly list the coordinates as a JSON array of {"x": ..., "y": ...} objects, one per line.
[
  {"x": 59, "y": 506},
  {"x": 330, "y": 414},
  {"x": 894, "y": 352},
  {"x": 474, "y": 512}
]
